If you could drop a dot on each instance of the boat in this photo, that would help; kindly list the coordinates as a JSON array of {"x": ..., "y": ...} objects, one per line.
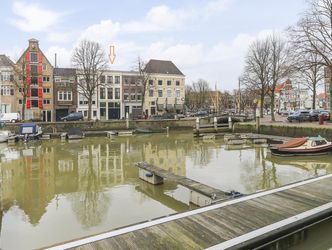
[
  {"x": 4, "y": 135},
  {"x": 150, "y": 130},
  {"x": 302, "y": 147},
  {"x": 74, "y": 133},
  {"x": 30, "y": 131}
]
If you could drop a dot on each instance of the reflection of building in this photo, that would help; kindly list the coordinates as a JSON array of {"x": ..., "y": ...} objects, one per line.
[{"x": 165, "y": 89}]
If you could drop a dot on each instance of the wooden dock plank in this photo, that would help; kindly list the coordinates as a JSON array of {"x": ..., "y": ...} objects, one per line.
[{"x": 225, "y": 221}]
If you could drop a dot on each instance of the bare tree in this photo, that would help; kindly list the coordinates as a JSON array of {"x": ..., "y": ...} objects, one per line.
[
  {"x": 313, "y": 33},
  {"x": 143, "y": 77},
  {"x": 22, "y": 83},
  {"x": 256, "y": 72},
  {"x": 310, "y": 72},
  {"x": 280, "y": 66},
  {"x": 202, "y": 89},
  {"x": 90, "y": 60}
]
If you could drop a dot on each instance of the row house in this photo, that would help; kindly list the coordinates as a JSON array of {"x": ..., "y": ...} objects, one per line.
[
  {"x": 65, "y": 92},
  {"x": 35, "y": 82},
  {"x": 132, "y": 87},
  {"x": 165, "y": 90},
  {"x": 8, "y": 101}
]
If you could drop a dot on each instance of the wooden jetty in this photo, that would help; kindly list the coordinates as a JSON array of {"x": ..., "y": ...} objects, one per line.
[
  {"x": 244, "y": 223},
  {"x": 200, "y": 194}
]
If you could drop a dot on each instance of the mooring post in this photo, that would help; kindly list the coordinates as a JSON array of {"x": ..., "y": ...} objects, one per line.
[
  {"x": 257, "y": 124},
  {"x": 197, "y": 123},
  {"x": 230, "y": 125},
  {"x": 127, "y": 120},
  {"x": 215, "y": 123}
]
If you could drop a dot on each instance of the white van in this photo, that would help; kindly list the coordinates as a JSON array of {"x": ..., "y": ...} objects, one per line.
[{"x": 10, "y": 117}]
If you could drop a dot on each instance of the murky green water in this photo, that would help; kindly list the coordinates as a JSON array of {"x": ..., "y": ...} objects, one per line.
[{"x": 53, "y": 191}]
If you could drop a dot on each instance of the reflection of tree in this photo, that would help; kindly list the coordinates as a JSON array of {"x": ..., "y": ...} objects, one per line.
[
  {"x": 201, "y": 154},
  {"x": 91, "y": 204}
]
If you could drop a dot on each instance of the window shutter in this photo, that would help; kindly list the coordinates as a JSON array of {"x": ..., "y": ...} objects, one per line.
[
  {"x": 40, "y": 69},
  {"x": 28, "y": 92},
  {"x": 40, "y": 57},
  {"x": 28, "y": 80},
  {"x": 40, "y": 92},
  {"x": 40, "y": 103},
  {"x": 28, "y": 104},
  {"x": 40, "y": 81}
]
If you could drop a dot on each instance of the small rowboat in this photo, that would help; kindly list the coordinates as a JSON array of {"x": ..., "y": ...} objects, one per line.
[{"x": 302, "y": 147}]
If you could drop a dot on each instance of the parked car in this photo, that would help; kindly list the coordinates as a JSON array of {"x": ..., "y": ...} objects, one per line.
[
  {"x": 314, "y": 115},
  {"x": 75, "y": 116},
  {"x": 300, "y": 116},
  {"x": 10, "y": 117},
  {"x": 201, "y": 114},
  {"x": 326, "y": 114}
]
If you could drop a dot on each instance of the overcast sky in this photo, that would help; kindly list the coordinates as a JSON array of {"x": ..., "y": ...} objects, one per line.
[{"x": 205, "y": 38}]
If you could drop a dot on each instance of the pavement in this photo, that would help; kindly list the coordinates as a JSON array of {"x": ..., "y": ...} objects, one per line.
[{"x": 282, "y": 120}]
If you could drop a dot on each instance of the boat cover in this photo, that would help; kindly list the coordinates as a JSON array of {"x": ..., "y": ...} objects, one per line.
[{"x": 293, "y": 143}]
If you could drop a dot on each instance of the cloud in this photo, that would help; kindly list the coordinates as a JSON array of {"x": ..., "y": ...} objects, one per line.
[
  {"x": 32, "y": 17},
  {"x": 59, "y": 37},
  {"x": 216, "y": 6},
  {"x": 104, "y": 32}
]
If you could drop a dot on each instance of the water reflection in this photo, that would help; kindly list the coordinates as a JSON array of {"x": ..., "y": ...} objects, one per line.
[{"x": 86, "y": 185}]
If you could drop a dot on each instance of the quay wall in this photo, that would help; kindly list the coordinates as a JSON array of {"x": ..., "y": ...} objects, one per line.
[
  {"x": 289, "y": 130},
  {"x": 58, "y": 127}
]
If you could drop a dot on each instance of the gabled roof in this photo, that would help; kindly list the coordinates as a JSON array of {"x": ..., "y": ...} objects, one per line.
[
  {"x": 64, "y": 72},
  {"x": 5, "y": 61},
  {"x": 162, "y": 67}
]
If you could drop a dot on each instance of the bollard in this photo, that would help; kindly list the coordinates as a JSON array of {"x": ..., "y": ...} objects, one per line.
[
  {"x": 230, "y": 125},
  {"x": 197, "y": 123},
  {"x": 257, "y": 124},
  {"x": 167, "y": 130},
  {"x": 127, "y": 120},
  {"x": 215, "y": 123}
]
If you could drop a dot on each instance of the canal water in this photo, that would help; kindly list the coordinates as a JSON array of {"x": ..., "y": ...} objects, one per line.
[{"x": 54, "y": 191}]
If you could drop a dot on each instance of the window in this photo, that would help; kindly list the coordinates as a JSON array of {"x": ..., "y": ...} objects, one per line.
[
  {"x": 160, "y": 82},
  {"x": 177, "y": 83},
  {"x": 33, "y": 57},
  {"x": 102, "y": 93},
  {"x": 34, "y": 80},
  {"x": 34, "y": 103},
  {"x": 5, "y": 76},
  {"x": 44, "y": 67},
  {"x": 169, "y": 93},
  {"x": 117, "y": 79},
  {"x": 46, "y": 101},
  {"x": 153, "y": 103},
  {"x": 151, "y": 93},
  {"x": 132, "y": 97},
  {"x": 94, "y": 113},
  {"x": 20, "y": 101},
  {"x": 151, "y": 82},
  {"x": 46, "y": 90},
  {"x": 109, "y": 79},
  {"x": 7, "y": 90},
  {"x": 102, "y": 79},
  {"x": 85, "y": 113},
  {"x": 177, "y": 93},
  {"x": 160, "y": 93},
  {"x": 34, "y": 69},
  {"x": 117, "y": 93},
  {"x": 126, "y": 96},
  {"x": 132, "y": 82},
  {"x": 34, "y": 92},
  {"x": 47, "y": 79},
  {"x": 109, "y": 93},
  {"x": 169, "y": 83},
  {"x": 139, "y": 97},
  {"x": 83, "y": 100},
  {"x": 126, "y": 81},
  {"x": 65, "y": 96}
]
